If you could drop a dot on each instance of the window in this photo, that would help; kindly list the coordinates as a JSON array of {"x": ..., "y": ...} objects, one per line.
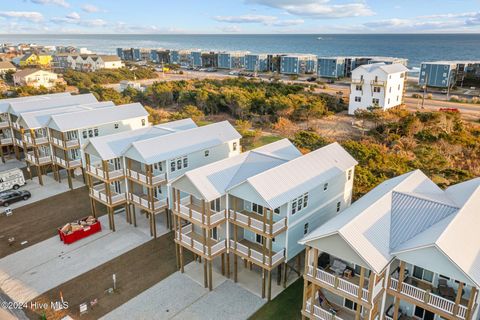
[
  {"x": 376, "y": 89},
  {"x": 375, "y": 101},
  {"x": 325, "y": 186},
  {"x": 390, "y": 90},
  {"x": 300, "y": 203},
  {"x": 215, "y": 205},
  {"x": 338, "y": 206},
  {"x": 376, "y": 78},
  {"x": 422, "y": 274},
  {"x": 258, "y": 238},
  {"x": 214, "y": 233},
  {"x": 179, "y": 164},
  {"x": 84, "y": 134},
  {"x": 115, "y": 125},
  {"x": 185, "y": 162},
  {"x": 349, "y": 304},
  {"x": 388, "y": 100},
  {"x": 358, "y": 87},
  {"x": 358, "y": 99},
  {"x": 257, "y": 209},
  {"x": 158, "y": 166},
  {"x": 207, "y": 153},
  {"x": 95, "y": 132},
  {"x": 305, "y": 228},
  {"x": 157, "y": 191},
  {"x": 349, "y": 175},
  {"x": 277, "y": 210},
  {"x": 143, "y": 122},
  {"x": 172, "y": 165},
  {"x": 90, "y": 133},
  {"x": 398, "y": 98},
  {"x": 423, "y": 314},
  {"x": 234, "y": 146}
]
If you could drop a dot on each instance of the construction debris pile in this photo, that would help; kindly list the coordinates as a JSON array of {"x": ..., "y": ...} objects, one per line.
[{"x": 79, "y": 225}]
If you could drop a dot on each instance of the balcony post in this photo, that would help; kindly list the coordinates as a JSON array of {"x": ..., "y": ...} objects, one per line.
[
  {"x": 203, "y": 211},
  {"x": 360, "y": 293},
  {"x": 209, "y": 212},
  {"x": 235, "y": 257},
  {"x": 371, "y": 283},
  {"x": 458, "y": 299},
  {"x": 264, "y": 220},
  {"x": 471, "y": 302},
  {"x": 401, "y": 276},
  {"x": 36, "y": 155},
  {"x": 313, "y": 289},
  {"x": 315, "y": 262}
]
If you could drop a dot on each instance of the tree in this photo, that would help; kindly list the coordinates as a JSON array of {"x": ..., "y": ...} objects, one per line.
[
  {"x": 193, "y": 112},
  {"x": 285, "y": 127},
  {"x": 309, "y": 140}
]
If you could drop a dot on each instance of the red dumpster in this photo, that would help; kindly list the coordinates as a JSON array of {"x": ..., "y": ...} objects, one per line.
[{"x": 80, "y": 233}]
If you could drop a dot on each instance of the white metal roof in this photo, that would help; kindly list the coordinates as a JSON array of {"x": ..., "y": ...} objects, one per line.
[
  {"x": 5, "y": 103},
  {"x": 113, "y": 145},
  {"x": 213, "y": 180},
  {"x": 181, "y": 143},
  {"x": 408, "y": 214},
  {"x": 387, "y": 68},
  {"x": 91, "y": 118},
  {"x": 283, "y": 183},
  {"x": 39, "y": 119},
  {"x": 26, "y": 106}
]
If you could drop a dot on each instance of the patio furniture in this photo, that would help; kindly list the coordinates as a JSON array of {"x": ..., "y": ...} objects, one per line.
[
  {"x": 444, "y": 290},
  {"x": 338, "y": 267}
]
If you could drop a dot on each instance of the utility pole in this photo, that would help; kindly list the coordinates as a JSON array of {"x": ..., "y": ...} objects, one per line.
[{"x": 424, "y": 90}]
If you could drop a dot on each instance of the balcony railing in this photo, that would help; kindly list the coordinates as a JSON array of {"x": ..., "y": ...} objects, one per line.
[
  {"x": 337, "y": 282},
  {"x": 249, "y": 221},
  {"x": 248, "y": 252},
  {"x": 17, "y": 142},
  {"x": 186, "y": 238},
  {"x": 102, "y": 174},
  {"x": 30, "y": 156},
  {"x": 65, "y": 143},
  {"x": 357, "y": 81},
  {"x": 37, "y": 140},
  {"x": 378, "y": 83},
  {"x": 140, "y": 177},
  {"x": 6, "y": 141},
  {"x": 429, "y": 298},
  {"x": 16, "y": 125},
  {"x": 98, "y": 192},
  {"x": 320, "y": 313},
  {"x": 157, "y": 204},
  {"x": 67, "y": 164},
  {"x": 191, "y": 212},
  {"x": 4, "y": 124}
]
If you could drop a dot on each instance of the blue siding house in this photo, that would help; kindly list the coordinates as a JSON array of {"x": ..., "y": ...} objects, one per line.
[
  {"x": 196, "y": 57},
  {"x": 331, "y": 67},
  {"x": 437, "y": 74},
  {"x": 256, "y": 62},
  {"x": 298, "y": 64}
]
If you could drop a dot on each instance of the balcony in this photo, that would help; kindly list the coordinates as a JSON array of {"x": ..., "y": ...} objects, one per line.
[
  {"x": 144, "y": 203},
  {"x": 38, "y": 140},
  {"x": 4, "y": 124},
  {"x": 253, "y": 251},
  {"x": 322, "y": 314},
  {"x": 67, "y": 164},
  {"x": 378, "y": 83},
  {"x": 65, "y": 144},
  {"x": 101, "y": 174},
  {"x": 15, "y": 125},
  {"x": 253, "y": 221},
  {"x": 17, "y": 142},
  {"x": 195, "y": 242},
  {"x": 358, "y": 81},
  {"x": 6, "y": 141},
  {"x": 32, "y": 158},
  {"x": 348, "y": 286},
  {"x": 144, "y": 179},
  {"x": 193, "y": 213},
  {"x": 98, "y": 192},
  {"x": 424, "y": 296}
]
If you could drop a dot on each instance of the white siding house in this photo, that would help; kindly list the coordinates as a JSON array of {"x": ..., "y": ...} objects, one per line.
[
  {"x": 411, "y": 247},
  {"x": 377, "y": 85},
  {"x": 258, "y": 205}
]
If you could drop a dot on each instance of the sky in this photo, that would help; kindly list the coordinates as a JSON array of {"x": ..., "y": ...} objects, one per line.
[{"x": 239, "y": 16}]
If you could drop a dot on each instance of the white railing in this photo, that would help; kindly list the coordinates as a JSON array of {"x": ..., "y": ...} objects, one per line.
[
  {"x": 257, "y": 224},
  {"x": 18, "y": 142},
  {"x": 99, "y": 172},
  {"x": 71, "y": 163},
  {"x": 157, "y": 204},
  {"x": 193, "y": 214},
  {"x": 4, "y": 124},
  {"x": 6, "y": 141},
  {"x": 325, "y": 277},
  {"x": 377, "y": 288},
  {"x": 185, "y": 238},
  {"x": 220, "y": 246},
  {"x": 320, "y": 313},
  {"x": 98, "y": 192},
  {"x": 255, "y": 255},
  {"x": 431, "y": 299},
  {"x": 16, "y": 125},
  {"x": 65, "y": 144},
  {"x": 143, "y": 178},
  {"x": 341, "y": 284},
  {"x": 38, "y": 140},
  {"x": 388, "y": 318}
]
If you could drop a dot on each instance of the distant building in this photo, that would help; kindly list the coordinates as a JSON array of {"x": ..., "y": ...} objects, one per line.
[
  {"x": 181, "y": 57},
  {"x": 331, "y": 67},
  {"x": 36, "y": 78},
  {"x": 33, "y": 59},
  {"x": 445, "y": 74},
  {"x": 231, "y": 60},
  {"x": 87, "y": 62},
  {"x": 125, "y": 84},
  {"x": 379, "y": 85},
  {"x": 6, "y": 66},
  {"x": 256, "y": 62},
  {"x": 160, "y": 56},
  {"x": 339, "y": 67},
  {"x": 298, "y": 64},
  {"x": 196, "y": 57},
  {"x": 209, "y": 59}
]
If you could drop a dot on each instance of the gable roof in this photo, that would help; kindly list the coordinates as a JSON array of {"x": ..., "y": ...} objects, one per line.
[
  {"x": 16, "y": 108},
  {"x": 109, "y": 58},
  {"x": 95, "y": 117},
  {"x": 27, "y": 72},
  {"x": 404, "y": 216},
  {"x": 114, "y": 145},
  {"x": 162, "y": 148},
  {"x": 214, "y": 180},
  {"x": 39, "y": 119},
  {"x": 6, "y": 65},
  {"x": 281, "y": 184},
  {"x": 5, "y": 103},
  {"x": 387, "y": 68}
]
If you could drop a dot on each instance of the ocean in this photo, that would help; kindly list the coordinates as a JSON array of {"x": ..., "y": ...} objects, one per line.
[{"x": 415, "y": 47}]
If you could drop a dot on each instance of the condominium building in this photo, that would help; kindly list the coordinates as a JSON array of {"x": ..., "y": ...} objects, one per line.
[
  {"x": 231, "y": 60},
  {"x": 256, "y": 62},
  {"x": 405, "y": 250},
  {"x": 68, "y": 132},
  {"x": 86, "y": 62},
  {"x": 6, "y": 133},
  {"x": 331, "y": 67},
  {"x": 196, "y": 58},
  {"x": 446, "y": 74},
  {"x": 296, "y": 64},
  {"x": 377, "y": 85},
  {"x": 161, "y": 56},
  {"x": 209, "y": 59},
  {"x": 181, "y": 57},
  {"x": 256, "y": 206},
  {"x": 35, "y": 138},
  {"x": 136, "y": 168}
]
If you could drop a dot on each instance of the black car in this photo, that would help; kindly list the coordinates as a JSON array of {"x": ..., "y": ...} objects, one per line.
[{"x": 11, "y": 196}]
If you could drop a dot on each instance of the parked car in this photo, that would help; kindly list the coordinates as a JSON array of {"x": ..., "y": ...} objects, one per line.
[
  {"x": 312, "y": 79},
  {"x": 11, "y": 196}
]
